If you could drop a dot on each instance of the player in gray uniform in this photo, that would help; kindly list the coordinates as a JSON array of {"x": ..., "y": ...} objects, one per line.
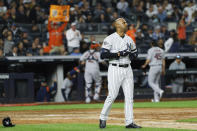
[
  {"x": 120, "y": 49},
  {"x": 177, "y": 83},
  {"x": 68, "y": 83},
  {"x": 156, "y": 61},
  {"x": 91, "y": 59}
]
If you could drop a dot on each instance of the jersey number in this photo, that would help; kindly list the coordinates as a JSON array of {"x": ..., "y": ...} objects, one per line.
[{"x": 158, "y": 56}]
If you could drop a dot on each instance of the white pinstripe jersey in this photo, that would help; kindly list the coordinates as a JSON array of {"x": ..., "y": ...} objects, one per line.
[
  {"x": 155, "y": 55},
  {"x": 114, "y": 43}
]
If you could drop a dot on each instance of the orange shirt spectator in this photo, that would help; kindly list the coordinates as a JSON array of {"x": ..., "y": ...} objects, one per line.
[
  {"x": 182, "y": 30},
  {"x": 131, "y": 33},
  {"x": 55, "y": 34},
  {"x": 132, "y": 30}
]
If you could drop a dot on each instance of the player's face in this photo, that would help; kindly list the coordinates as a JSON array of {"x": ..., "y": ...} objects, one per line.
[{"x": 123, "y": 24}]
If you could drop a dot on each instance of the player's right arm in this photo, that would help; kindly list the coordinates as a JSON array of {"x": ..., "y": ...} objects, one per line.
[
  {"x": 163, "y": 66},
  {"x": 148, "y": 59},
  {"x": 105, "y": 50}
]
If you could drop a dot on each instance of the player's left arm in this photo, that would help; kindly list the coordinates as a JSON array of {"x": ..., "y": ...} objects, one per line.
[
  {"x": 133, "y": 51},
  {"x": 163, "y": 66}
]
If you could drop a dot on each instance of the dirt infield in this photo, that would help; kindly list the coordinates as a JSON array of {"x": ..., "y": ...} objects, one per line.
[{"x": 146, "y": 117}]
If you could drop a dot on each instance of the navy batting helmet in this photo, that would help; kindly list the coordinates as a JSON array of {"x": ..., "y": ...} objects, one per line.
[{"x": 7, "y": 122}]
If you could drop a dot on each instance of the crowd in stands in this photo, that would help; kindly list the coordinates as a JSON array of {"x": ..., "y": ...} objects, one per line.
[{"x": 148, "y": 19}]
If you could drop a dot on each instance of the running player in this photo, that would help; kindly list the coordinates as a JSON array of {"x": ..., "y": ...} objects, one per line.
[{"x": 156, "y": 61}]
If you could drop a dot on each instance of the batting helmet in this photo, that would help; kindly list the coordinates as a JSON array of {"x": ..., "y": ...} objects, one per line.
[{"x": 7, "y": 122}]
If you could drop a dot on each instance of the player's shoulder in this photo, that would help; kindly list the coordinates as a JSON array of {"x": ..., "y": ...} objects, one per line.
[
  {"x": 108, "y": 39},
  {"x": 128, "y": 38}
]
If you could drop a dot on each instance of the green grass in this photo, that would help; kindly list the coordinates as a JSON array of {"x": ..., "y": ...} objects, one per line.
[
  {"x": 171, "y": 104},
  {"x": 78, "y": 127},
  {"x": 193, "y": 120}
]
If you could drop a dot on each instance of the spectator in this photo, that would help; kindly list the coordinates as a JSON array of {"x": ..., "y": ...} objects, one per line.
[
  {"x": 41, "y": 52},
  {"x": 161, "y": 14},
  {"x": 34, "y": 50},
  {"x": 177, "y": 82},
  {"x": 150, "y": 12},
  {"x": 149, "y": 36},
  {"x": 169, "y": 42},
  {"x": 98, "y": 11},
  {"x": 84, "y": 43},
  {"x": 169, "y": 17},
  {"x": 73, "y": 15},
  {"x": 122, "y": 7},
  {"x": 21, "y": 49},
  {"x": 26, "y": 39},
  {"x": 73, "y": 38},
  {"x": 190, "y": 9},
  {"x": 114, "y": 16},
  {"x": 157, "y": 33},
  {"x": 14, "y": 52},
  {"x": 139, "y": 37},
  {"x": 15, "y": 31},
  {"x": 21, "y": 16},
  {"x": 37, "y": 42},
  {"x": 181, "y": 30},
  {"x": 13, "y": 14},
  {"x": 164, "y": 31},
  {"x": 176, "y": 14},
  {"x": 132, "y": 30},
  {"x": 55, "y": 37},
  {"x": 35, "y": 29},
  {"x": 111, "y": 29},
  {"x": 8, "y": 43}
]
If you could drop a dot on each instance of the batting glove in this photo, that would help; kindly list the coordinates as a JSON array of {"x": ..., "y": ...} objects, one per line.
[{"x": 124, "y": 52}]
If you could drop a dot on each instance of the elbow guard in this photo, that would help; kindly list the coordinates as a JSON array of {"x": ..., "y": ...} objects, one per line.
[
  {"x": 105, "y": 54},
  {"x": 133, "y": 55}
]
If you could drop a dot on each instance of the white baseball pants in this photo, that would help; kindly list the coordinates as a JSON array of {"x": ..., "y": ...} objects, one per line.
[{"x": 119, "y": 76}]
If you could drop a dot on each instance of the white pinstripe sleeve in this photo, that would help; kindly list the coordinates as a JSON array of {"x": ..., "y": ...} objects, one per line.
[{"x": 107, "y": 44}]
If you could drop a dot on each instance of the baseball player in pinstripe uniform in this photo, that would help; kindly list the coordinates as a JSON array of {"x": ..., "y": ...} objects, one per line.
[
  {"x": 156, "y": 61},
  {"x": 91, "y": 59},
  {"x": 120, "y": 49}
]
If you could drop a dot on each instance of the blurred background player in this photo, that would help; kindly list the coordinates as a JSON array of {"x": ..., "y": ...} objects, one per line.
[
  {"x": 91, "y": 59},
  {"x": 177, "y": 82},
  {"x": 68, "y": 83},
  {"x": 45, "y": 92},
  {"x": 156, "y": 61}
]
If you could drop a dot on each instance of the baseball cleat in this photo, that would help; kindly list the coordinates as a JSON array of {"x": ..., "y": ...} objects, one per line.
[
  {"x": 102, "y": 123},
  {"x": 96, "y": 97},
  {"x": 161, "y": 93},
  {"x": 133, "y": 125},
  {"x": 88, "y": 100},
  {"x": 152, "y": 100}
]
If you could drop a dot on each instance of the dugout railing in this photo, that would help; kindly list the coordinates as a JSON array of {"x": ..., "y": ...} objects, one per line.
[{"x": 50, "y": 67}]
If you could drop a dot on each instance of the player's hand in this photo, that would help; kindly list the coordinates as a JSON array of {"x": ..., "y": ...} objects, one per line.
[{"x": 124, "y": 52}]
